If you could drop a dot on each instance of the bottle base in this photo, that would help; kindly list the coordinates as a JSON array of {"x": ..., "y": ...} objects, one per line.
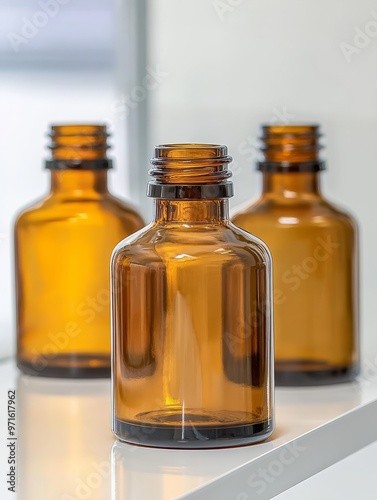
[
  {"x": 68, "y": 366},
  {"x": 309, "y": 373},
  {"x": 190, "y": 435}
]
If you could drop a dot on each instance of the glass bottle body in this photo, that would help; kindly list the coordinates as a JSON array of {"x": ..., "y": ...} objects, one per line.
[
  {"x": 192, "y": 331},
  {"x": 63, "y": 245},
  {"x": 315, "y": 253}
]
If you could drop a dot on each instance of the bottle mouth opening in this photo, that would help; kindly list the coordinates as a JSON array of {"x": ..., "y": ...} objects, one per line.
[
  {"x": 291, "y": 130},
  {"x": 78, "y": 129},
  {"x": 190, "y": 151}
]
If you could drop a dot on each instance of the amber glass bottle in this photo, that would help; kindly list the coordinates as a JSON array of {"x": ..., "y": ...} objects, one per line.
[
  {"x": 192, "y": 320},
  {"x": 63, "y": 246},
  {"x": 314, "y": 249}
]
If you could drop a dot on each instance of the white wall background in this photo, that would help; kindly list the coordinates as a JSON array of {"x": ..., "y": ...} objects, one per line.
[
  {"x": 65, "y": 73},
  {"x": 233, "y": 64},
  {"x": 224, "y": 67}
]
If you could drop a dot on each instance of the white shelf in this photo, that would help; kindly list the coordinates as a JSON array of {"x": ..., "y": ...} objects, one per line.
[
  {"x": 64, "y": 442},
  {"x": 353, "y": 477}
]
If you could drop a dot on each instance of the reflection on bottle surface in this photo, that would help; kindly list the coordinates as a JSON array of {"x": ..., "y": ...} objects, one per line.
[
  {"x": 314, "y": 246},
  {"x": 64, "y": 440},
  {"x": 192, "y": 323}
]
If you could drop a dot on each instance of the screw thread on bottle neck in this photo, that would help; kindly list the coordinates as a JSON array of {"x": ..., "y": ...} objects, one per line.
[
  {"x": 290, "y": 148},
  {"x": 79, "y": 147},
  {"x": 190, "y": 171}
]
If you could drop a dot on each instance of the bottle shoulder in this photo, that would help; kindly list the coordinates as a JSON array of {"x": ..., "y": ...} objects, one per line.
[
  {"x": 222, "y": 242},
  {"x": 123, "y": 207},
  {"x": 57, "y": 208},
  {"x": 33, "y": 211},
  {"x": 318, "y": 210}
]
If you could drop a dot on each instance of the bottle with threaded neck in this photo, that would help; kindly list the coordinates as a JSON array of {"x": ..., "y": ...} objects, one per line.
[
  {"x": 191, "y": 314},
  {"x": 63, "y": 246},
  {"x": 314, "y": 246}
]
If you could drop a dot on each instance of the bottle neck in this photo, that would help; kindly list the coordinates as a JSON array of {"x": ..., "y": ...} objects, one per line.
[
  {"x": 79, "y": 183},
  {"x": 291, "y": 185},
  {"x": 191, "y": 211}
]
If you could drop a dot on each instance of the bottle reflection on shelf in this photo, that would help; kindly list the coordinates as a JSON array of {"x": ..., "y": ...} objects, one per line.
[
  {"x": 143, "y": 473},
  {"x": 64, "y": 439}
]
